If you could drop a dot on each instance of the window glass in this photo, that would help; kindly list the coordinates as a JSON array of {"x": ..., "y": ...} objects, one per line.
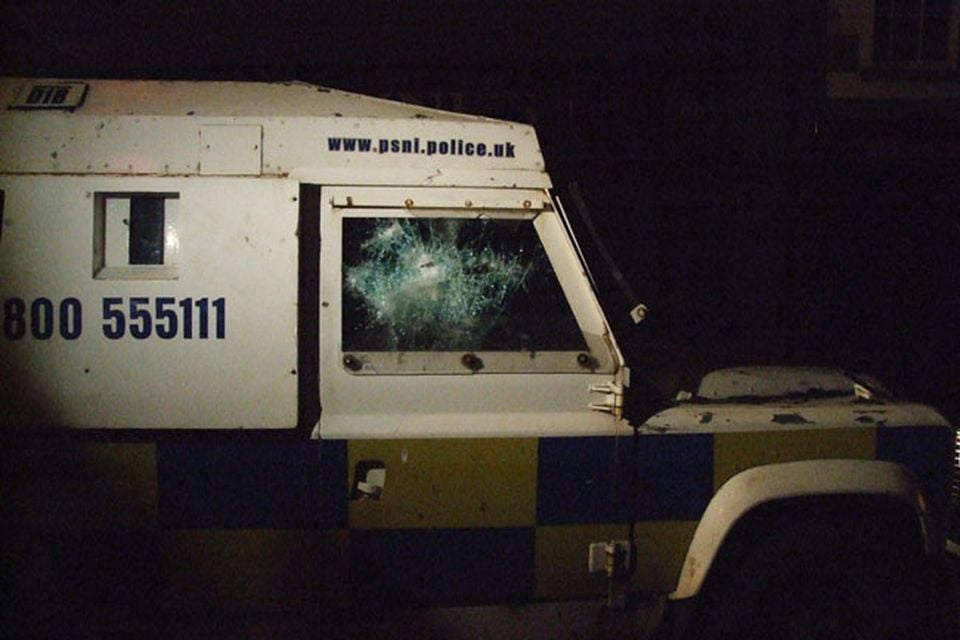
[
  {"x": 136, "y": 236},
  {"x": 146, "y": 230},
  {"x": 451, "y": 284},
  {"x": 911, "y": 30}
]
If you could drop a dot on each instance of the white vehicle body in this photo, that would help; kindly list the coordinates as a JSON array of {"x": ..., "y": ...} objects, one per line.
[
  {"x": 232, "y": 158},
  {"x": 181, "y": 263}
]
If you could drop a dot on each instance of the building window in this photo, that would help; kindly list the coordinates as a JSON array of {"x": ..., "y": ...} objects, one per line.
[
  {"x": 136, "y": 236},
  {"x": 913, "y": 32}
]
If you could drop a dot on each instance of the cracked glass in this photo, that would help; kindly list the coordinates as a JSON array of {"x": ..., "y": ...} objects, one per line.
[{"x": 451, "y": 284}]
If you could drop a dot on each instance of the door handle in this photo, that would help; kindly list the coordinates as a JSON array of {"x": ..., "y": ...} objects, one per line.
[{"x": 369, "y": 479}]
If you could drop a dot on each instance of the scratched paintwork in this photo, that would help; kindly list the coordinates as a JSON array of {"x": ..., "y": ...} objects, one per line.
[
  {"x": 694, "y": 417},
  {"x": 483, "y": 482},
  {"x": 153, "y": 128}
]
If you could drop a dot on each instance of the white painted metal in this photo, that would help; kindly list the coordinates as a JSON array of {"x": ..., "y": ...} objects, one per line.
[
  {"x": 772, "y": 381},
  {"x": 499, "y": 403},
  {"x": 233, "y": 238},
  {"x": 424, "y": 200},
  {"x": 153, "y": 128},
  {"x": 239, "y": 242},
  {"x": 111, "y": 240},
  {"x": 830, "y": 413},
  {"x": 761, "y": 485},
  {"x": 231, "y": 150}
]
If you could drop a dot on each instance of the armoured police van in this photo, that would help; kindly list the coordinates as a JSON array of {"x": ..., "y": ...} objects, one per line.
[{"x": 268, "y": 347}]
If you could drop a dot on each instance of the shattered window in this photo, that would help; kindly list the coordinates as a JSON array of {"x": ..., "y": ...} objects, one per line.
[{"x": 451, "y": 284}]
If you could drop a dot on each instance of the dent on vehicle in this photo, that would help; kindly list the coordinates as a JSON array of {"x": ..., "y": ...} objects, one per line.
[{"x": 764, "y": 397}]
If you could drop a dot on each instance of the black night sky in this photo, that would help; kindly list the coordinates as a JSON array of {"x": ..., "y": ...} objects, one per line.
[{"x": 759, "y": 222}]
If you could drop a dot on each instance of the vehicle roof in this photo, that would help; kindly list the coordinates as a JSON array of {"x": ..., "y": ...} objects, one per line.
[
  {"x": 278, "y": 129},
  {"x": 228, "y": 99}
]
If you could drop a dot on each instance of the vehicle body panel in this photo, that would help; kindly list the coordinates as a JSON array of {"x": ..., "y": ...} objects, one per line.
[{"x": 154, "y": 463}]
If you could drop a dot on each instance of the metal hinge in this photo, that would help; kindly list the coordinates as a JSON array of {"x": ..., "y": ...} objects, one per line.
[{"x": 612, "y": 402}]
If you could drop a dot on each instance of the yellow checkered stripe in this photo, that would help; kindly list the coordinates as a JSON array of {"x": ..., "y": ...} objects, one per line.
[{"x": 210, "y": 524}]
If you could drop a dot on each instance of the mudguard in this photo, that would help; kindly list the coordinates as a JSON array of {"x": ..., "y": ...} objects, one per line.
[{"x": 775, "y": 482}]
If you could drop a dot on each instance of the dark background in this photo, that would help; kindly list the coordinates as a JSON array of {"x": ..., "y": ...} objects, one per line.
[{"x": 759, "y": 220}]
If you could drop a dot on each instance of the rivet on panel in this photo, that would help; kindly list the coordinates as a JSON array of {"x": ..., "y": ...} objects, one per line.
[
  {"x": 527, "y": 204},
  {"x": 408, "y": 203}
]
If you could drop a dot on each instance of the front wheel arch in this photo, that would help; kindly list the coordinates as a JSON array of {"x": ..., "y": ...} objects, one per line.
[
  {"x": 856, "y": 486},
  {"x": 836, "y": 566}
]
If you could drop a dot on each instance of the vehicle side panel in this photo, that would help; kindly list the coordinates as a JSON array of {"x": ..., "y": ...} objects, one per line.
[{"x": 255, "y": 523}]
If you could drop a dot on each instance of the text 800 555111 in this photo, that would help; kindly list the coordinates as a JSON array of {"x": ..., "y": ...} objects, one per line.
[{"x": 136, "y": 317}]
